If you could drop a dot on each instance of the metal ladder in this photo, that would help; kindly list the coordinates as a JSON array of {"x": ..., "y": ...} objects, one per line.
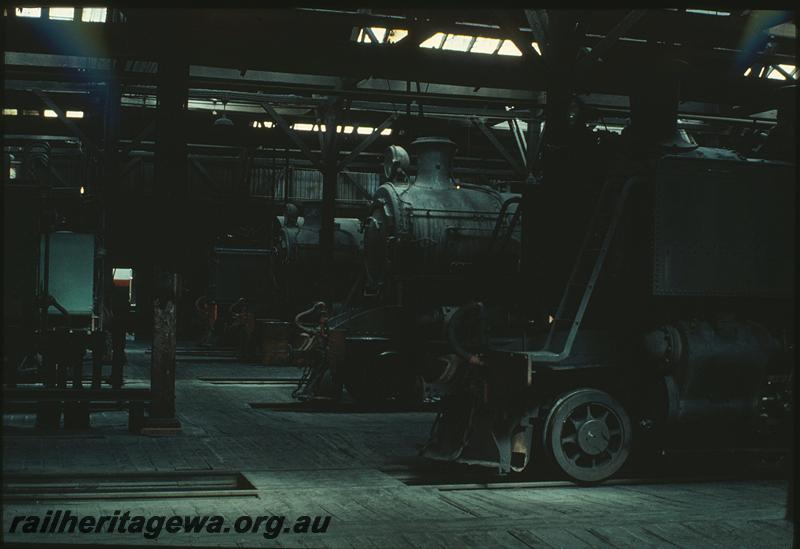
[{"x": 587, "y": 268}]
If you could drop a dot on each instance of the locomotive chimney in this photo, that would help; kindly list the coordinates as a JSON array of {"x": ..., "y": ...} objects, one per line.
[
  {"x": 654, "y": 107},
  {"x": 434, "y": 161}
]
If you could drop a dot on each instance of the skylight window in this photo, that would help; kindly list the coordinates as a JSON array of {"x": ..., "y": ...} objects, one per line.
[
  {"x": 434, "y": 42},
  {"x": 62, "y": 14},
  {"x": 27, "y": 112},
  {"x": 50, "y": 114},
  {"x": 74, "y": 114},
  {"x": 364, "y": 130},
  {"x": 775, "y": 74},
  {"x": 508, "y": 48},
  {"x": 474, "y": 44},
  {"x": 395, "y": 35},
  {"x": 383, "y": 35},
  {"x": 457, "y": 42},
  {"x": 10, "y": 112},
  {"x": 379, "y": 32},
  {"x": 94, "y": 15},
  {"x": 29, "y": 12},
  {"x": 485, "y": 45},
  {"x": 387, "y": 131}
]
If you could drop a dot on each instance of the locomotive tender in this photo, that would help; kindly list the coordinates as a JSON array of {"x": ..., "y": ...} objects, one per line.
[{"x": 676, "y": 319}]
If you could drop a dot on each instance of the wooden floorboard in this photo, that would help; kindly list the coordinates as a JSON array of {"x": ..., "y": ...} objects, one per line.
[{"x": 304, "y": 463}]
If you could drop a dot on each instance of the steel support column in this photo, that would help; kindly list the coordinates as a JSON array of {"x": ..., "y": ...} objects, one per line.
[
  {"x": 563, "y": 37},
  {"x": 108, "y": 195},
  {"x": 330, "y": 180},
  {"x": 173, "y": 224}
]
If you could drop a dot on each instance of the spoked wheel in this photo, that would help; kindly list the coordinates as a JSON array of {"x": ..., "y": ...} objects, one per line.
[{"x": 588, "y": 434}]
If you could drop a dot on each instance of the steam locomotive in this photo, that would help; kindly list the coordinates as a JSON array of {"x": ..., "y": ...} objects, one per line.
[
  {"x": 663, "y": 307},
  {"x": 431, "y": 243}
]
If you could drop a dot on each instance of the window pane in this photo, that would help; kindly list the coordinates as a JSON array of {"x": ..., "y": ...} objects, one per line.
[
  {"x": 395, "y": 35},
  {"x": 434, "y": 41},
  {"x": 457, "y": 42},
  {"x": 508, "y": 48},
  {"x": 790, "y": 69},
  {"x": 94, "y": 15},
  {"x": 379, "y": 32},
  {"x": 485, "y": 45},
  {"x": 29, "y": 12},
  {"x": 62, "y": 14}
]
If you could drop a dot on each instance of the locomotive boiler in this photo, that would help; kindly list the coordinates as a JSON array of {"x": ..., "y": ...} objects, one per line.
[
  {"x": 431, "y": 243},
  {"x": 299, "y": 260},
  {"x": 675, "y": 319},
  {"x": 435, "y": 227}
]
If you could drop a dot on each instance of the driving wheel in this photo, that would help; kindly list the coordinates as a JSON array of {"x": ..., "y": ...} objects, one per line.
[{"x": 588, "y": 435}]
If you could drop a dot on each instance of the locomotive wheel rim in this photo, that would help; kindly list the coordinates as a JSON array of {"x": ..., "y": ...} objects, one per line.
[{"x": 588, "y": 435}]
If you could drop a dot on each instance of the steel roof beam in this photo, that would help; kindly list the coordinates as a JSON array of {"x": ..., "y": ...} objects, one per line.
[
  {"x": 600, "y": 49},
  {"x": 519, "y": 170},
  {"x": 369, "y": 140},
  {"x": 284, "y": 126}
]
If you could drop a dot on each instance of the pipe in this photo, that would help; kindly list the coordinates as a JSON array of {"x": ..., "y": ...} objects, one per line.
[
  {"x": 309, "y": 329},
  {"x": 503, "y": 208}
]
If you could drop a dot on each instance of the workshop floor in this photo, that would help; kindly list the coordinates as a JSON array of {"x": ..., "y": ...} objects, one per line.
[{"x": 355, "y": 467}]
